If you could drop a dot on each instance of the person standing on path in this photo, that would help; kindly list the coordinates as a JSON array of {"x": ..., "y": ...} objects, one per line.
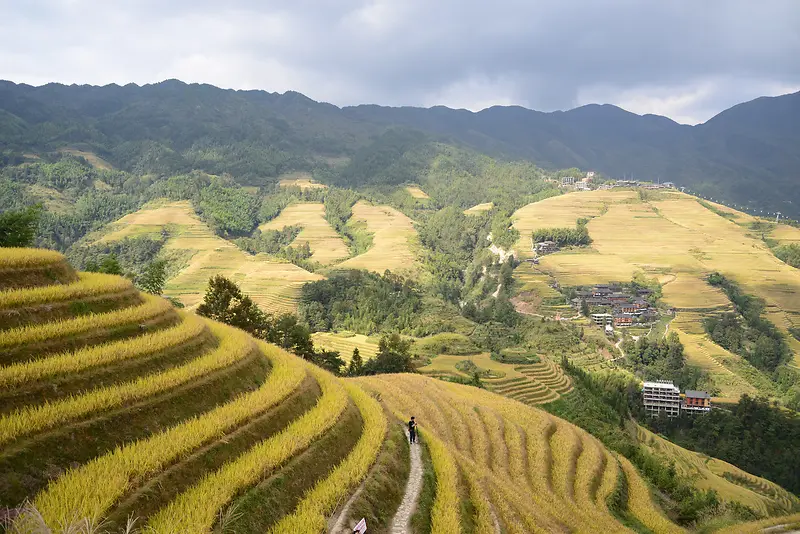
[{"x": 412, "y": 430}]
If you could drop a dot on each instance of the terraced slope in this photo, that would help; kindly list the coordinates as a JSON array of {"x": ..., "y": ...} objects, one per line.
[
  {"x": 512, "y": 465},
  {"x": 326, "y": 245},
  {"x": 182, "y": 419},
  {"x": 674, "y": 238},
  {"x": 730, "y": 482},
  {"x": 273, "y": 284},
  {"x": 345, "y": 342},
  {"x": 393, "y": 240},
  {"x": 533, "y": 384}
]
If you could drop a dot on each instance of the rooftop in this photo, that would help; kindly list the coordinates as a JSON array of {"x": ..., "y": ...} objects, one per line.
[
  {"x": 697, "y": 394},
  {"x": 660, "y": 384}
]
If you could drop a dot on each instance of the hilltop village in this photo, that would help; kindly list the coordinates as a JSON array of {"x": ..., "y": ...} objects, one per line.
[{"x": 615, "y": 305}]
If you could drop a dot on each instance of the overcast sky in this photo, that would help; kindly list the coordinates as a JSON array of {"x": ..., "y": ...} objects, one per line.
[{"x": 686, "y": 59}]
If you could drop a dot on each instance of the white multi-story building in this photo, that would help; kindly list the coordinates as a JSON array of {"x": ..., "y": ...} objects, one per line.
[{"x": 662, "y": 396}]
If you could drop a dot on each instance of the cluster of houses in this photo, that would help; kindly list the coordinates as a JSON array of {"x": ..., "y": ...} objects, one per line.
[
  {"x": 617, "y": 307},
  {"x": 664, "y": 397},
  {"x": 637, "y": 183}
]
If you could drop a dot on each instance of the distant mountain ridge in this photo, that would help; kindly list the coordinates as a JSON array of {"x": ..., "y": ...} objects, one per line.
[{"x": 748, "y": 154}]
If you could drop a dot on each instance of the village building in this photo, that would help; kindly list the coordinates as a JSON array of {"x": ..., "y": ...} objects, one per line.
[
  {"x": 568, "y": 180},
  {"x": 696, "y": 402},
  {"x": 619, "y": 297},
  {"x": 620, "y": 319},
  {"x": 545, "y": 247},
  {"x": 661, "y": 396},
  {"x": 603, "y": 319},
  {"x": 641, "y": 304},
  {"x": 628, "y": 308},
  {"x": 602, "y": 290}
]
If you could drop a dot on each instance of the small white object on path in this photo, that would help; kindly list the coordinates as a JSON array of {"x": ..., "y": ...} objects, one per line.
[{"x": 402, "y": 518}]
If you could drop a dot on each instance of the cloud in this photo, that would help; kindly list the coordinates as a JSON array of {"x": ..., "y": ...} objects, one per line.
[{"x": 688, "y": 60}]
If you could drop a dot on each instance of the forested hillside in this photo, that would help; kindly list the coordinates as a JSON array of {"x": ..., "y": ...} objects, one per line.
[{"x": 747, "y": 154}]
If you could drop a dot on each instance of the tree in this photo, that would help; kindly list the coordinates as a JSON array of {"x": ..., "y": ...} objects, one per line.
[
  {"x": 154, "y": 277},
  {"x": 18, "y": 227},
  {"x": 329, "y": 360},
  {"x": 356, "y": 366},
  {"x": 393, "y": 357},
  {"x": 585, "y": 308},
  {"x": 110, "y": 265},
  {"x": 224, "y": 302}
]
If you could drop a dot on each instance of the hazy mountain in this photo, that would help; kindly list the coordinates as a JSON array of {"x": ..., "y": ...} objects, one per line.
[{"x": 747, "y": 154}]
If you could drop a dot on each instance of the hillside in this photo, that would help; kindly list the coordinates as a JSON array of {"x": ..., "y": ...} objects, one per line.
[
  {"x": 110, "y": 391},
  {"x": 679, "y": 241},
  {"x": 273, "y": 284},
  {"x": 747, "y": 154}
]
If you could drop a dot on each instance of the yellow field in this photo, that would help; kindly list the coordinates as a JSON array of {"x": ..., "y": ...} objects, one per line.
[
  {"x": 94, "y": 160},
  {"x": 479, "y": 208},
  {"x": 157, "y": 401},
  {"x": 672, "y": 238},
  {"x": 274, "y": 285},
  {"x": 688, "y": 291},
  {"x": 563, "y": 211},
  {"x": 708, "y": 473},
  {"x": 531, "y": 384},
  {"x": 345, "y": 342},
  {"x": 394, "y": 239},
  {"x": 326, "y": 245},
  {"x": 785, "y": 234},
  {"x": 416, "y": 192},
  {"x": 300, "y": 179},
  {"x": 185, "y": 422},
  {"x": 533, "y": 472}
]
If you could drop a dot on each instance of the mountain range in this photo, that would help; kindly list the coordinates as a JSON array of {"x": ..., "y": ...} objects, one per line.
[{"x": 748, "y": 155}]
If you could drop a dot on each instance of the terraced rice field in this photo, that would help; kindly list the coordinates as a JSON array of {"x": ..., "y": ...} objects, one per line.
[
  {"x": 300, "y": 179},
  {"x": 537, "y": 383},
  {"x": 191, "y": 426},
  {"x": 345, "y": 342},
  {"x": 730, "y": 482},
  {"x": 676, "y": 240},
  {"x": 326, "y": 245},
  {"x": 479, "y": 208},
  {"x": 393, "y": 242},
  {"x": 416, "y": 192},
  {"x": 516, "y": 467},
  {"x": 182, "y": 420},
  {"x": 274, "y": 285}
]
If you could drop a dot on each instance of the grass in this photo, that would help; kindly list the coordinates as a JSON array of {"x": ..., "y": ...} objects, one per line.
[
  {"x": 385, "y": 484},
  {"x": 87, "y": 285},
  {"x": 672, "y": 238},
  {"x": 326, "y": 245},
  {"x": 76, "y": 494},
  {"x": 479, "y": 208},
  {"x": 300, "y": 179},
  {"x": 25, "y": 258},
  {"x": 312, "y": 512},
  {"x": 270, "y": 501},
  {"x": 641, "y": 504},
  {"x": 393, "y": 241},
  {"x": 235, "y": 346},
  {"x": 273, "y": 284},
  {"x": 416, "y": 192},
  {"x": 20, "y": 374},
  {"x": 536, "y": 472},
  {"x": 196, "y": 509},
  {"x": 17, "y": 342},
  {"x": 712, "y": 473},
  {"x": 345, "y": 342}
]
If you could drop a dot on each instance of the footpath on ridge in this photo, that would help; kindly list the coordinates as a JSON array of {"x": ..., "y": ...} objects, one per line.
[{"x": 402, "y": 519}]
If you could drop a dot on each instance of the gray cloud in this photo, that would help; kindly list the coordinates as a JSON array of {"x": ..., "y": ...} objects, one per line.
[{"x": 684, "y": 59}]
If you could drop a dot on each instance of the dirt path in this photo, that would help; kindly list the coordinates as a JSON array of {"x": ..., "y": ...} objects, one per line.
[{"x": 402, "y": 519}]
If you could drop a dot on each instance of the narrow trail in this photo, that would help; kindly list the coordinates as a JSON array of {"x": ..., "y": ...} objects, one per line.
[{"x": 402, "y": 519}]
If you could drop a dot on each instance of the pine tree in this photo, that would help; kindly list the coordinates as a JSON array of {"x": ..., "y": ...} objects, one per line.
[
  {"x": 585, "y": 308},
  {"x": 356, "y": 364}
]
